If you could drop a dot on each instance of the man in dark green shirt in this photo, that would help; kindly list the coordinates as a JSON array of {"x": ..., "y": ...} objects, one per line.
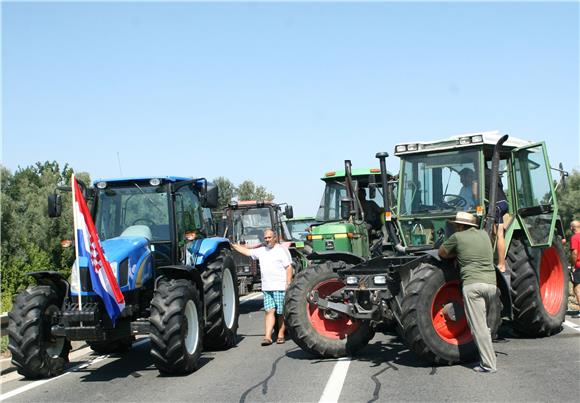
[{"x": 472, "y": 248}]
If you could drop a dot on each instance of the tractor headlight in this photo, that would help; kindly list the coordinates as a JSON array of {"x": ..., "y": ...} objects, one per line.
[
  {"x": 464, "y": 140},
  {"x": 352, "y": 280},
  {"x": 401, "y": 148},
  {"x": 380, "y": 280},
  {"x": 412, "y": 147},
  {"x": 477, "y": 139}
]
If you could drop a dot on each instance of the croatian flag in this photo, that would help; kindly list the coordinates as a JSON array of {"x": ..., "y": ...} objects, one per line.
[{"x": 88, "y": 245}]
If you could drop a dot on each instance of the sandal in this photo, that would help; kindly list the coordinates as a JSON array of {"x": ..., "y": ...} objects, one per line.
[
  {"x": 280, "y": 340},
  {"x": 266, "y": 342}
]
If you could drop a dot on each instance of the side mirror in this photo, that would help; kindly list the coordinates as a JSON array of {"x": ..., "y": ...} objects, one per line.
[
  {"x": 54, "y": 205},
  {"x": 345, "y": 208},
  {"x": 372, "y": 192},
  {"x": 289, "y": 212},
  {"x": 210, "y": 199}
]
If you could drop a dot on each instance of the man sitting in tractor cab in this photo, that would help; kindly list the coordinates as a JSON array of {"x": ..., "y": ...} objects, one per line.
[{"x": 371, "y": 210}]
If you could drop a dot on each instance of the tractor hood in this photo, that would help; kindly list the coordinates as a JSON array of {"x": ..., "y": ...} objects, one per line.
[
  {"x": 333, "y": 237},
  {"x": 130, "y": 259}
]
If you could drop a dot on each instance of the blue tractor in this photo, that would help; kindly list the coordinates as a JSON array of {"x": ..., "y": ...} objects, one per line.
[{"x": 178, "y": 280}]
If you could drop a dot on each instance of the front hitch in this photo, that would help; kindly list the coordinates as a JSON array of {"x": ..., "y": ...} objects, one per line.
[{"x": 347, "y": 309}]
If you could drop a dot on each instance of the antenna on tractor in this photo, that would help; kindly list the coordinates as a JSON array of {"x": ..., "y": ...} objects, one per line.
[{"x": 119, "y": 162}]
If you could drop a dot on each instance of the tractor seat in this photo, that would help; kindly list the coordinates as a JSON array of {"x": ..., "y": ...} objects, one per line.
[{"x": 138, "y": 230}]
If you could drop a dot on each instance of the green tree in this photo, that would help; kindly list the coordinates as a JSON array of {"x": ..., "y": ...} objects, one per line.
[
  {"x": 569, "y": 200},
  {"x": 30, "y": 239},
  {"x": 247, "y": 190},
  {"x": 227, "y": 191}
]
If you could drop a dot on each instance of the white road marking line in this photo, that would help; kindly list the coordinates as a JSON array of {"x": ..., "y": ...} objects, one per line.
[
  {"x": 572, "y": 325},
  {"x": 336, "y": 381},
  {"x": 82, "y": 365}
]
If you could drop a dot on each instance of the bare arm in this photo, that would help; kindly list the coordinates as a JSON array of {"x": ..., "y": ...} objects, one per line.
[
  {"x": 573, "y": 257},
  {"x": 241, "y": 249},
  {"x": 443, "y": 253},
  {"x": 289, "y": 270}
]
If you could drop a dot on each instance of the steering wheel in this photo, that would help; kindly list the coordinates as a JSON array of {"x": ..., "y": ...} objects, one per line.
[
  {"x": 147, "y": 221},
  {"x": 455, "y": 200}
]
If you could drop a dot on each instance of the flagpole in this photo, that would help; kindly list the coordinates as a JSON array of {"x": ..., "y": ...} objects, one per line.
[{"x": 77, "y": 240}]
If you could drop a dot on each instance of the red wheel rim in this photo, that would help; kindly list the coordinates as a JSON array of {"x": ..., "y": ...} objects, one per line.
[
  {"x": 551, "y": 281},
  {"x": 338, "y": 328},
  {"x": 452, "y": 331}
]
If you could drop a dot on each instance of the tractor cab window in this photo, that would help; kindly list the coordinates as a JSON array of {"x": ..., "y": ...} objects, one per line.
[
  {"x": 188, "y": 212},
  {"x": 440, "y": 182},
  {"x": 329, "y": 209},
  {"x": 132, "y": 210},
  {"x": 249, "y": 225}
]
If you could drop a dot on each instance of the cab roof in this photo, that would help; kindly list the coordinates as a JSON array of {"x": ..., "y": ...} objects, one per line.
[{"x": 488, "y": 138}]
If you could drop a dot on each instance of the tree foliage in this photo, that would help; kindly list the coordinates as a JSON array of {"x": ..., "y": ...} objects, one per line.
[
  {"x": 30, "y": 239},
  {"x": 246, "y": 190},
  {"x": 569, "y": 200}
]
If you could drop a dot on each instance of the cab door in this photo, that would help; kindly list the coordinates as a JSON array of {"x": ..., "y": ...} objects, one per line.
[{"x": 533, "y": 194}]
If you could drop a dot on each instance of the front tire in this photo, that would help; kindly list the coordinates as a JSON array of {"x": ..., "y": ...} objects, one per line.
[
  {"x": 222, "y": 302},
  {"x": 318, "y": 332},
  {"x": 35, "y": 352},
  {"x": 176, "y": 331},
  {"x": 539, "y": 301},
  {"x": 433, "y": 317}
]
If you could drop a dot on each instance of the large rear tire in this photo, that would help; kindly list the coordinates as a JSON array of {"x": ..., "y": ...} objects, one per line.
[
  {"x": 318, "y": 332},
  {"x": 35, "y": 352},
  {"x": 434, "y": 323},
  {"x": 539, "y": 285},
  {"x": 176, "y": 326},
  {"x": 221, "y": 301}
]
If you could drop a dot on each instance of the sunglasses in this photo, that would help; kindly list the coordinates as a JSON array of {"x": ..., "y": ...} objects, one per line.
[{"x": 268, "y": 237}]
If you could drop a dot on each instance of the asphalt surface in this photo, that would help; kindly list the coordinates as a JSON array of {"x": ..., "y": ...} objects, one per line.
[{"x": 528, "y": 370}]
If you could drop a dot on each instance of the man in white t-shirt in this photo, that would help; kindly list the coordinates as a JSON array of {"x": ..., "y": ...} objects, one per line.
[{"x": 276, "y": 272}]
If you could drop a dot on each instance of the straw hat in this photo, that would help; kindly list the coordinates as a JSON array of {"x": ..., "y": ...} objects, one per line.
[{"x": 465, "y": 218}]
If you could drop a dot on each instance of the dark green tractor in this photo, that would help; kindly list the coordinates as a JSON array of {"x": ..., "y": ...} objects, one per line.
[
  {"x": 333, "y": 311},
  {"x": 344, "y": 234}
]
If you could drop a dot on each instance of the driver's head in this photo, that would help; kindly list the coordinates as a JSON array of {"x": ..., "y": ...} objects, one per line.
[
  {"x": 270, "y": 238},
  {"x": 362, "y": 195},
  {"x": 466, "y": 176}
]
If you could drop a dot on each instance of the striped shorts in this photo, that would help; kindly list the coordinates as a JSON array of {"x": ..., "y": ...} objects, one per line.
[{"x": 274, "y": 299}]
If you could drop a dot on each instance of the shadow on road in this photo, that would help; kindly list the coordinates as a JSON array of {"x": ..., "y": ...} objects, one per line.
[
  {"x": 133, "y": 363},
  {"x": 252, "y": 305}
]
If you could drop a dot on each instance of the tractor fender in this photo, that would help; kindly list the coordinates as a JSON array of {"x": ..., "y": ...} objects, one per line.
[
  {"x": 179, "y": 272},
  {"x": 208, "y": 247},
  {"x": 53, "y": 279},
  {"x": 346, "y": 257}
]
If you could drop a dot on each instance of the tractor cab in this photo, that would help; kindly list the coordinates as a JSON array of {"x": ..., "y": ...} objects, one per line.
[
  {"x": 145, "y": 208},
  {"x": 350, "y": 214},
  {"x": 440, "y": 178}
]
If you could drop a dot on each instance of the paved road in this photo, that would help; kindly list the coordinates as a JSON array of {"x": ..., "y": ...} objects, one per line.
[{"x": 529, "y": 370}]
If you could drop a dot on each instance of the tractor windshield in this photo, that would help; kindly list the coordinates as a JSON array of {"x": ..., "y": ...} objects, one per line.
[
  {"x": 299, "y": 228},
  {"x": 442, "y": 182},
  {"x": 250, "y": 224},
  {"x": 329, "y": 209},
  {"x": 117, "y": 209}
]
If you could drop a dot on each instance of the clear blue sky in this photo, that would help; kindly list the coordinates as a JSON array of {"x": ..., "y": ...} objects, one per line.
[{"x": 279, "y": 93}]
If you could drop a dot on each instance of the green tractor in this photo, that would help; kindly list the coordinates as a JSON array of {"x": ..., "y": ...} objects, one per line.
[
  {"x": 355, "y": 236},
  {"x": 244, "y": 222},
  {"x": 333, "y": 308}
]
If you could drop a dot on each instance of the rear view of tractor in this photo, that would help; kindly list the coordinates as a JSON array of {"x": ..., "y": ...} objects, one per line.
[
  {"x": 178, "y": 284},
  {"x": 245, "y": 222},
  {"x": 333, "y": 312}
]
